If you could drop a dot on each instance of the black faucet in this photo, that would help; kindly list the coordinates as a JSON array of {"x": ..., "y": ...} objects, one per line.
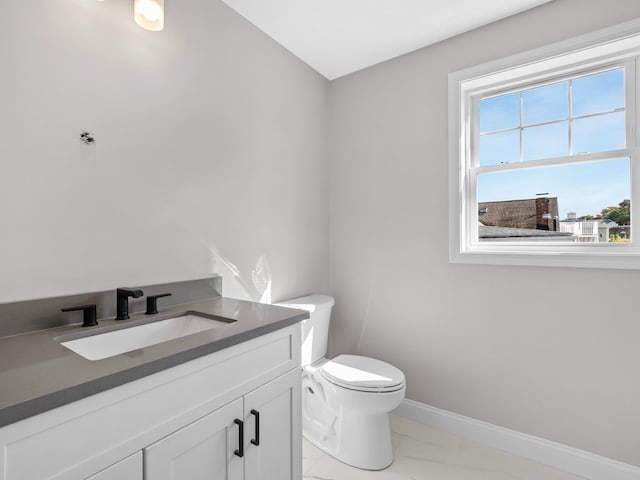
[{"x": 122, "y": 301}]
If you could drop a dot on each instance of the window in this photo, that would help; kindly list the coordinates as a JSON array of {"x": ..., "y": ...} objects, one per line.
[
  {"x": 544, "y": 156},
  {"x": 537, "y": 175}
]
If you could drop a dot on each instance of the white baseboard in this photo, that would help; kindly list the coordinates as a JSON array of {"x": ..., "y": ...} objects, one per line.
[{"x": 562, "y": 457}]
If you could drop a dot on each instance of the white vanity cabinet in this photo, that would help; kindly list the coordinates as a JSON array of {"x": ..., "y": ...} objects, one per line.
[
  {"x": 251, "y": 438},
  {"x": 180, "y": 423}
]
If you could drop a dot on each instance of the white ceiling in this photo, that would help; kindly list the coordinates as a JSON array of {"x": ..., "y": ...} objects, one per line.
[{"x": 337, "y": 37}]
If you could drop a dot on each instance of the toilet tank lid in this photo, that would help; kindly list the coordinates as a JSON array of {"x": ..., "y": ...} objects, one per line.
[{"x": 308, "y": 302}]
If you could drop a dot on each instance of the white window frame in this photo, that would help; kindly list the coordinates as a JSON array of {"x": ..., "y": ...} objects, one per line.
[{"x": 615, "y": 46}]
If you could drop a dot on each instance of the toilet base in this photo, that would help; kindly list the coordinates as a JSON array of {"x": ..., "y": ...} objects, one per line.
[
  {"x": 365, "y": 441},
  {"x": 362, "y": 441}
]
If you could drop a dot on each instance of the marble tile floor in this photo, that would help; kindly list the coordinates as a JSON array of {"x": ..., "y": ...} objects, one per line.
[{"x": 424, "y": 453}]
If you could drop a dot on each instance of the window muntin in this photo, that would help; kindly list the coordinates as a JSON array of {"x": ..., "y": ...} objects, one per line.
[{"x": 545, "y": 119}]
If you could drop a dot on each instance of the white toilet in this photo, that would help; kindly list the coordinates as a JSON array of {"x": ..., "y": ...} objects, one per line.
[{"x": 345, "y": 401}]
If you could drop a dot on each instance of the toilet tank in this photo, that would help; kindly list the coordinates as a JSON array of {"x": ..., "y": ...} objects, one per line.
[{"x": 315, "y": 330}]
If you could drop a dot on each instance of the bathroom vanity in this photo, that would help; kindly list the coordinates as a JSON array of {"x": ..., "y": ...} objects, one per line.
[{"x": 223, "y": 403}]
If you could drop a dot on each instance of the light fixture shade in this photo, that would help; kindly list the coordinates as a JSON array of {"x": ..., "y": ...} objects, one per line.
[{"x": 149, "y": 14}]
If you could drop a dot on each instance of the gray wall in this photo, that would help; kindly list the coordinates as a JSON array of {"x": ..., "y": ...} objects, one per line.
[
  {"x": 210, "y": 153},
  {"x": 552, "y": 352}
]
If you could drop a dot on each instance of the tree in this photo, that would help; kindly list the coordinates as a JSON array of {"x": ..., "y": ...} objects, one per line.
[{"x": 620, "y": 214}]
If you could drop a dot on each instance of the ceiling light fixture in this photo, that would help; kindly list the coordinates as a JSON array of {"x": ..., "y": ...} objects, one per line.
[{"x": 149, "y": 14}]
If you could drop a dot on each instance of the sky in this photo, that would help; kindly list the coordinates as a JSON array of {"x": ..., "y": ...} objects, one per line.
[{"x": 587, "y": 109}]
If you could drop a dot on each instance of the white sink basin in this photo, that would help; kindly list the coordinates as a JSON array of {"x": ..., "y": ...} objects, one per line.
[{"x": 105, "y": 345}]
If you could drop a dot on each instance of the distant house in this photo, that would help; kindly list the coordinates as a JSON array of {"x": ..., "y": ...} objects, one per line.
[
  {"x": 596, "y": 230},
  {"x": 531, "y": 214},
  {"x": 591, "y": 231}
]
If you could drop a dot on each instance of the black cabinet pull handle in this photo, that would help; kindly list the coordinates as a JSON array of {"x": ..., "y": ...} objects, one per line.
[
  {"x": 256, "y": 438},
  {"x": 240, "y": 451}
]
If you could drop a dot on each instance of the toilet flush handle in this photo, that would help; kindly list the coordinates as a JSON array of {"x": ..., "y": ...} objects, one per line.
[{"x": 315, "y": 388}]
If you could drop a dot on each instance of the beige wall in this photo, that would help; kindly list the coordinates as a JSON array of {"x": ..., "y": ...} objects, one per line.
[
  {"x": 210, "y": 152},
  {"x": 552, "y": 352}
]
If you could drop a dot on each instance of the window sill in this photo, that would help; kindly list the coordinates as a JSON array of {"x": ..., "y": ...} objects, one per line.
[{"x": 548, "y": 258}]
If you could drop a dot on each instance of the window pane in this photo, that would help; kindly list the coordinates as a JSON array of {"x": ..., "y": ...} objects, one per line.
[
  {"x": 598, "y": 93},
  {"x": 498, "y": 148},
  {"x": 581, "y": 202},
  {"x": 499, "y": 113},
  {"x": 546, "y": 141},
  {"x": 599, "y": 133},
  {"x": 545, "y": 104}
]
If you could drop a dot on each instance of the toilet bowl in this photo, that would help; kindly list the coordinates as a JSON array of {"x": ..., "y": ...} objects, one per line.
[{"x": 345, "y": 400}]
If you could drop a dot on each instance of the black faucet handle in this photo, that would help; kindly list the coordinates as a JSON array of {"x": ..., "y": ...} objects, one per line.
[
  {"x": 152, "y": 303},
  {"x": 89, "y": 314}
]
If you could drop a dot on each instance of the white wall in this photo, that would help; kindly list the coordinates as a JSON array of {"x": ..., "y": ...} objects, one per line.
[
  {"x": 552, "y": 352},
  {"x": 210, "y": 152}
]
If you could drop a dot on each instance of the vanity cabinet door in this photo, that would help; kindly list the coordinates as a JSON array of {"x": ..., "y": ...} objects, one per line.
[
  {"x": 128, "y": 469},
  {"x": 203, "y": 450},
  {"x": 273, "y": 420}
]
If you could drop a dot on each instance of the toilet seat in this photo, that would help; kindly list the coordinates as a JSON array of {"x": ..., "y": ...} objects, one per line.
[{"x": 363, "y": 374}]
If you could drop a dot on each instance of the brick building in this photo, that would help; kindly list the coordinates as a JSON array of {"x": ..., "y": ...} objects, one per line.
[{"x": 532, "y": 214}]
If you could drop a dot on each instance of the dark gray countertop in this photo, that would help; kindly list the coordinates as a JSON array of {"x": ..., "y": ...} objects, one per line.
[{"x": 38, "y": 374}]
